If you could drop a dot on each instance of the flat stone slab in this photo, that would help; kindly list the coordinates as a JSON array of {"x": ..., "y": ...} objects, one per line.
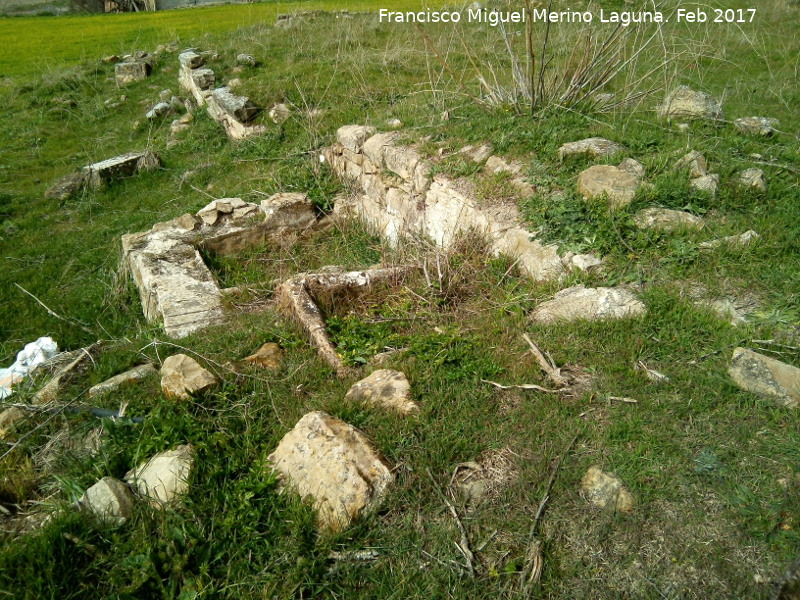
[
  {"x": 336, "y": 465},
  {"x": 164, "y": 478},
  {"x": 617, "y": 184},
  {"x": 664, "y": 219},
  {"x": 596, "y": 147},
  {"x": 129, "y": 377},
  {"x": 592, "y": 304},
  {"x": 766, "y": 377},
  {"x": 732, "y": 241},
  {"x": 67, "y": 186},
  {"x": 386, "y": 389},
  {"x": 126, "y": 165}
]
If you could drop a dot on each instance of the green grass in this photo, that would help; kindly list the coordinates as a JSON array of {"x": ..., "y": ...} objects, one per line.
[{"x": 715, "y": 470}]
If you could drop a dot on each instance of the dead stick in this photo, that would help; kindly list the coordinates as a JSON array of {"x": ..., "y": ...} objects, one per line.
[
  {"x": 553, "y": 372},
  {"x": 533, "y": 554},
  {"x": 524, "y": 386}
]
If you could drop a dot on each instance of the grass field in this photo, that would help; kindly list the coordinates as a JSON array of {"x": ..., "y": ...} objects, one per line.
[
  {"x": 715, "y": 470},
  {"x": 41, "y": 45}
]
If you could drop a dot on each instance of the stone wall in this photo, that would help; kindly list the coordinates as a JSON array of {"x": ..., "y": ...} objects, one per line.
[{"x": 397, "y": 196}]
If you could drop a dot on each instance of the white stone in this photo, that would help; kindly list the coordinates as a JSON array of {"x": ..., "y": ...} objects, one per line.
[
  {"x": 694, "y": 162},
  {"x": 686, "y": 103},
  {"x": 664, "y": 219},
  {"x": 595, "y": 147},
  {"x": 336, "y": 465},
  {"x": 753, "y": 178},
  {"x": 756, "y": 125},
  {"x": 386, "y": 389},
  {"x": 182, "y": 377},
  {"x": 109, "y": 500},
  {"x": 742, "y": 240},
  {"x": 164, "y": 478},
  {"x": 706, "y": 183},
  {"x": 766, "y": 377},
  {"x": 580, "y": 302},
  {"x": 618, "y": 185}
]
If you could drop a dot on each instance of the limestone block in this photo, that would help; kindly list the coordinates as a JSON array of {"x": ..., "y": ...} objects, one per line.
[
  {"x": 766, "y": 377},
  {"x": 182, "y": 377},
  {"x": 592, "y": 304},
  {"x": 164, "y": 478},
  {"x": 385, "y": 389}
]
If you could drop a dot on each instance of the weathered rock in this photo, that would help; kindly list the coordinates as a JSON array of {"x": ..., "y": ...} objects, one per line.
[
  {"x": 756, "y": 125},
  {"x": 67, "y": 186},
  {"x": 288, "y": 211},
  {"x": 497, "y": 164},
  {"x": 742, "y": 240},
  {"x": 109, "y": 500},
  {"x": 386, "y": 389},
  {"x": 478, "y": 154},
  {"x": 706, "y": 183},
  {"x": 165, "y": 95},
  {"x": 161, "y": 109},
  {"x": 198, "y": 82},
  {"x": 268, "y": 356},
  {"x": 664, "y": 219},
  {"x": 352, "y": 137},
  {"x": 580, "y": 302},
  {"x": 129, "y": 377},
  {"x": 165, "y": 477},
  {"x": 618, "y": 185},
  {"x": 686, "y": 103},
  {"x": 240, "y": 108},
  {"x": 107, "y": 171},
  {"x": 111, "y": 59},
  {"x": 595, "y": 147},
  {"x": 586, "y": 262},
  {"x": 634, "y": 167},
  {"x": 182, "y": 377},
  {"x": 8, "y": 419},
  {"x": 190, "y": 59},
  {"x": 753, "y": 178},
  {"x": 234, "y": 211},
  {"x": 694, "y": 162},
  {"x": 606, "y": 490},
  {"x": 394, "y": 124},
  {"x": 129, "y": 72},
  {"x": 279, "y": 113},
  {"x": 333, "y": 463},
  {"x": 766, "y": 377},
  {"x": 246, "y": 59}
]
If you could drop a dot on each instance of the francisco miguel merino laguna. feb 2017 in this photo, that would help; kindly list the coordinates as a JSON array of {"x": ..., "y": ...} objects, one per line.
[{"x": 496, "y": 17}]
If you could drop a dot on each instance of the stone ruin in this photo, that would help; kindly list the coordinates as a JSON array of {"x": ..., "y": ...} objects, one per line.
[
  {"x": 234, "y": 112},
  {"x": 411, "y": 202}
]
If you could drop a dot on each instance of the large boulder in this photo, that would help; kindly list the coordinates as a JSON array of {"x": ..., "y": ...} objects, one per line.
[
  {"x": 165, "y": 477},
  {"x": 109, "y": 500},
  {"x": 182, "y": 377},
  {"x": 686, "y": 103},
  {"x": 593, "y": 304},
  {"x": 618, "y": 185},
  {"x": 766, "y": 377},
  {"x": 385, "y": 389},
  {"x": 333, "y": 463}
]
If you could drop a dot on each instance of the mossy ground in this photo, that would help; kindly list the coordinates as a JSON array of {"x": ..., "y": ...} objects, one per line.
[{"x": 714, "y": 469}]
